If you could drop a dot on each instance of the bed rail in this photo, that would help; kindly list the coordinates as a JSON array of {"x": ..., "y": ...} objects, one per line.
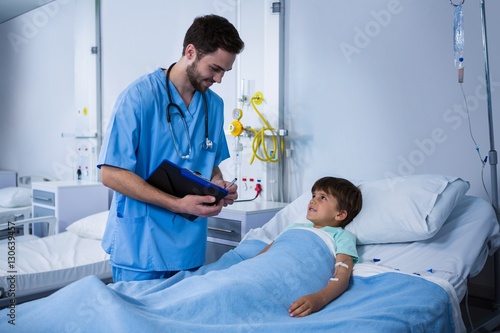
[
  {"x": 27, "y": 224},
  {"x": 15, "y": 216}
]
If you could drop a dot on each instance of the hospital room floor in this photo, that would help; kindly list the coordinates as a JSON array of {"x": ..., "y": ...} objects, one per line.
[{"x": 479, "y": 308}]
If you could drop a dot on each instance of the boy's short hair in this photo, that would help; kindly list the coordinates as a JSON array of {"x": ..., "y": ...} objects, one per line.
[
  {"x": 348, "y": 195},
  {"x": 212, "y": 32}
]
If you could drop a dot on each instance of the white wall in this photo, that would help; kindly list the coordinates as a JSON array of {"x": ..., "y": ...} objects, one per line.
[
  {"x": 39, "y": 100},
  {"x": 138, "y": 37},
  {"x": 372, "y": 113},
  {"x": 36, "y": 90}
]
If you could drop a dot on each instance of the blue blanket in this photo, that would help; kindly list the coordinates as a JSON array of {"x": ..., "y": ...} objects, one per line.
[{"x": 236, "y": 295}]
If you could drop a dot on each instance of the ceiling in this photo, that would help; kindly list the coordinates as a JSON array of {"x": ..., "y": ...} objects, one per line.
[{"x": 12, "y": 8}]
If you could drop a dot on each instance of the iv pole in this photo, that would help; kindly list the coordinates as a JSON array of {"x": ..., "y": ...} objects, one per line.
[
  {"x": 493, "y": 320},
  {"x": 492, "y": 154}
]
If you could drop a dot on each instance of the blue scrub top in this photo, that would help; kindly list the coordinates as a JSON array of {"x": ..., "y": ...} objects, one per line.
[{"x": 141, "y": 236}]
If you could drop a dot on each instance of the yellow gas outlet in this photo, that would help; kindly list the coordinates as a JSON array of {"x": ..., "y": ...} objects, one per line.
[{"x": 258, "y": 98}]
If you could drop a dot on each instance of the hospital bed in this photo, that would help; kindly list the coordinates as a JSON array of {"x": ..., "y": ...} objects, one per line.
[
  {"x": 43, "y": 265},
  {"x": 419, "y": 239}
]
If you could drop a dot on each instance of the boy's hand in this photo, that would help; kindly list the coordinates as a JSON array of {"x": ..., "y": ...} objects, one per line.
[{"x": 306, "y": 305}]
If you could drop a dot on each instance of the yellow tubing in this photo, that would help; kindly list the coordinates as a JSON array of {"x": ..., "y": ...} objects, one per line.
[{"x": 259, "y": 139}]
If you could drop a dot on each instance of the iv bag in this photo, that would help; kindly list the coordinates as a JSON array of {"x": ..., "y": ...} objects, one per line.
[{"x": 458, "y": 33}]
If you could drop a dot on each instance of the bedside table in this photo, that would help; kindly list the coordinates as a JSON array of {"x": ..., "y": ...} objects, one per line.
[
  {"x": 68, "y": 201},
  {"x": 226, "y": 229}
]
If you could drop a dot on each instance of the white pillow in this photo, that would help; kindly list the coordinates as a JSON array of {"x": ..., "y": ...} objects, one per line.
[
  {"x": 405, "y": 209},
  {"x": 91, "y": 226},
  {"x": 400, "y": 209},
  {"x": 11, "y": 197}
]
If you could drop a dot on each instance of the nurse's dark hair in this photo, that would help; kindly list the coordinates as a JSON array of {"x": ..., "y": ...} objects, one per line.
[
  {"x": 348, "y": 195},
  {"x": 209, "y": 33}
]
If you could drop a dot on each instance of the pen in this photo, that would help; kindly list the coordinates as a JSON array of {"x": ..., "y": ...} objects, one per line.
[{"x": 231, "y": 183}]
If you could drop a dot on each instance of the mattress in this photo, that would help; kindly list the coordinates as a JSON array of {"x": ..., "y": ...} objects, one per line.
[
  {"x": 52, "y": 262},
  {"x": 453, "y": 253}
]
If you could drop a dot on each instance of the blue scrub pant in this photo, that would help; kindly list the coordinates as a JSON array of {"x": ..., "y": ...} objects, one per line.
[{"x": 120, "y": 274}]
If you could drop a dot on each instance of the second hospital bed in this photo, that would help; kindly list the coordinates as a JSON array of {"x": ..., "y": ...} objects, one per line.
[
  {"x": 419, "y": 239},
  {"x": 42, "y": 265}
]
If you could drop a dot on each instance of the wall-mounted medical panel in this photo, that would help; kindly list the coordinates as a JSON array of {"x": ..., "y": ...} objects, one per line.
[{"x": 258, "y": 75}]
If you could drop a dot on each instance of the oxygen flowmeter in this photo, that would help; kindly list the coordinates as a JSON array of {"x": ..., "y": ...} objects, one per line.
[{"x": 236, "y": 127}]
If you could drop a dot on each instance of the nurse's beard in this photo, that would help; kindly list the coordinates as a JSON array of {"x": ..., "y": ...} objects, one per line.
[{"x": 195, "y": 78}]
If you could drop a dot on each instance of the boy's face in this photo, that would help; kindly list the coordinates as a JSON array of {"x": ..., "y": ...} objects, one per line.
[{"x": 323, "y": 210}]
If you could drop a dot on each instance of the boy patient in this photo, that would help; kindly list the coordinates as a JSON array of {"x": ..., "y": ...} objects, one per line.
[{"x": 334, "y": 203}]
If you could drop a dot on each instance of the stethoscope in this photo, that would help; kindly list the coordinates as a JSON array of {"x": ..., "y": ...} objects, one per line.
[{"x": 208, "y": 144}]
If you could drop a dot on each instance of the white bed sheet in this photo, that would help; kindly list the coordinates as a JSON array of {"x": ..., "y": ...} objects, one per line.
[
  {"x": 369, "y": 269},
  {"x": 53, "y": 262},
  {"x": 459, "y": 249}
]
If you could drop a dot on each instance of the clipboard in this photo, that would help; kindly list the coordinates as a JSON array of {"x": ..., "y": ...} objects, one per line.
[{"x": 172, "y": 179}]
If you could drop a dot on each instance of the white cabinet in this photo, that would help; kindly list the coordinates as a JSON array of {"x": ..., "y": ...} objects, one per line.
[
  {"x": 68, "y": 201},
  {"x": 226, "y": 229}
]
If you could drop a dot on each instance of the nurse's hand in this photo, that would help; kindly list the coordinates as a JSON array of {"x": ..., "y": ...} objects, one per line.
[
  {"x": 232, "y": 196},
  {"x": 199, "y": 205},
  {"x": 233, "y": 190}
]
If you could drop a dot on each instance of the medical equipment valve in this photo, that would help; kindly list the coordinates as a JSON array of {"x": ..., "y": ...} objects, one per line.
[
  {"x": 258, "y": 188},
  {"x": 461, "y": 70},
  {"x": 236, "y": 128}
]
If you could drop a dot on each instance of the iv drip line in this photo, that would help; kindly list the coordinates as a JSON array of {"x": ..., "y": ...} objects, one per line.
[{"x": 483, "y": 161}]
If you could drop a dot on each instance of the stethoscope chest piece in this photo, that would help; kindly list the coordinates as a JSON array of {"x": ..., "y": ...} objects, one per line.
[{"x": 208, "y": 144}]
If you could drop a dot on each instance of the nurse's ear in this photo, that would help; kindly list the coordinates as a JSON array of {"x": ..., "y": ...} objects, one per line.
[{"x": 190, "y": 52}]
